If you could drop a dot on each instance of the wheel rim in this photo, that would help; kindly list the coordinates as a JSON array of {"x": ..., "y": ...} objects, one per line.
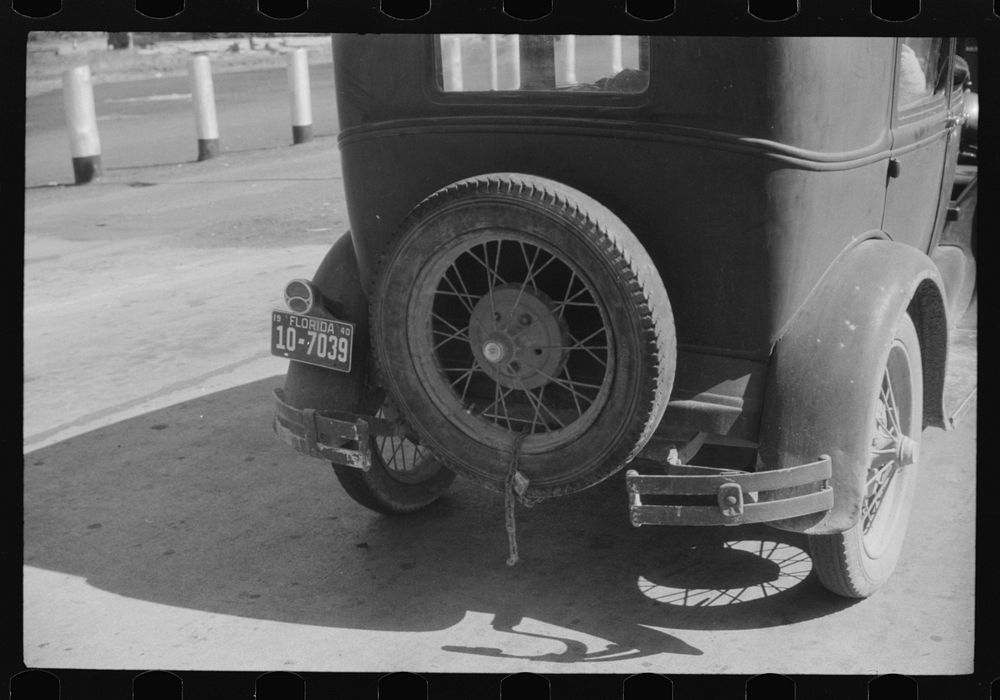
[
  {"x": 403, "y": 459},
  {"x": 511, "y": 337},
  {"x": 894, "y": 449}
]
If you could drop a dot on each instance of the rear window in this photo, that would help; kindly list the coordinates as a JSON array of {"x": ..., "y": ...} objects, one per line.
[{"x": 542, "y": 62}]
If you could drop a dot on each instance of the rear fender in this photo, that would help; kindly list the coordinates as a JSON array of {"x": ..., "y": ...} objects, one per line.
[
  {"x": 826, "y": 368},
  {"x": 339, "y": 282}
]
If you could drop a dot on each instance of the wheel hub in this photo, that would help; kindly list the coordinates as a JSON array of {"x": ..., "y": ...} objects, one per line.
[
  {"x": 907, "y": 451},
  {"x": 517, "y": 338},
  {"x": 496, "y": 350}
]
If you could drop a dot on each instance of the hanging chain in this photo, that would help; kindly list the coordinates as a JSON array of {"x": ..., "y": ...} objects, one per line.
[{"x": 515, "y": 488}]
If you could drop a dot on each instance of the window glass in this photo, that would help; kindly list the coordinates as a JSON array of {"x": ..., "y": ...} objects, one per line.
[
  {"x": 512, "y": 62},
  {"x": 921, "y": 73}
]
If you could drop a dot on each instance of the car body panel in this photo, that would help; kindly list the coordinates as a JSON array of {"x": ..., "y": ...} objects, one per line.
[{"x": 792, "y": 210}]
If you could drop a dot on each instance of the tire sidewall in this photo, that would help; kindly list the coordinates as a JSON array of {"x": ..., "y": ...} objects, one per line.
[
  {"x": 843, "y": 562},
  {"x": 879, "y": 567},
  {"x": 607, "y": 443}
]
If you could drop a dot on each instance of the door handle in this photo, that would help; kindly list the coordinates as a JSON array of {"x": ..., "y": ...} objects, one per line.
[{"x": 954, "y": 120}]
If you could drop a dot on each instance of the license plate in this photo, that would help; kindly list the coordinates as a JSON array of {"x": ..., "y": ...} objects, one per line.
[{"x": 323, "y": 342}]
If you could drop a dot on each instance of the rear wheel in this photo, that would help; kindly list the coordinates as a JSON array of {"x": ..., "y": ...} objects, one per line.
[
  {"x": 515, "y": 313},
  {"x": 404, "y": 476},
  {"x": 857, "y": 562}
]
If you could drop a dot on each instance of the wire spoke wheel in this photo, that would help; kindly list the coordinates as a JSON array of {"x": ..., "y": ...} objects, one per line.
[
  {"x": 512, "y": 309},
  {"x": 857, "y": 562},
  {"x": 403, "y": 459},
  {"x": 522, "y": 348},
  {"x": 892, "y": 449},
  {"x": 404, "y": 475}
]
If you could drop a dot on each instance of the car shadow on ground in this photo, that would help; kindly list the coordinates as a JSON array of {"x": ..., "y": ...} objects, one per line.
[{"x": 198, "y": 506}]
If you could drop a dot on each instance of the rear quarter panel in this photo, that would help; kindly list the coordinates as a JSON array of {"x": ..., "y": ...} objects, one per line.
[{"x": 746, "y": 170}]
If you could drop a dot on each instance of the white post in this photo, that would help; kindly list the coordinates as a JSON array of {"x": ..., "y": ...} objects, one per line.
[
  {"x": 570, "y": 41},
  {"x": 616, "y": 54},
  {"x": 298, "y": 83},
  {"x": 494, "y": 69},
  {"x": 453, "y": 59},
  {"x": 203, "y": 93},
  {"x": 81, "y": 121},
  {"x": 515, "y": 53}
]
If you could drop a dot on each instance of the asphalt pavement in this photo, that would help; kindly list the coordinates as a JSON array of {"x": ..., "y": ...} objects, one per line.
[
  {"x": 151, "y": 122},
  {"x": 165, "y": 526},
  {"x": 158, "y": 280}
]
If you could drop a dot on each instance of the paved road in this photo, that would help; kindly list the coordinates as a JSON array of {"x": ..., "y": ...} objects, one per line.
[
  {"x": 165, "y": 526},
  {"x": 160, "y": 278},
  {"x": 150, "y": 122}
]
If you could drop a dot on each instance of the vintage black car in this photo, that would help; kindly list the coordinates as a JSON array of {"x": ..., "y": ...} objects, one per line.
[{"x": 572, "y": 254}]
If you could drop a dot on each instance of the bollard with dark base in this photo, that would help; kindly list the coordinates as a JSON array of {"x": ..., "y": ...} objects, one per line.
[
  {"x": 86, "y": 169},
  {"x": 203, "y": 94},
  {"x": 208, "y": 148},
  {"x": 298, "y": 84},
  {"x": 81, "y": 120}
]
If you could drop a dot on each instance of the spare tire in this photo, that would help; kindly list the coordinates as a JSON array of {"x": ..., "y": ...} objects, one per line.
[{"x": 512, "y": 313}]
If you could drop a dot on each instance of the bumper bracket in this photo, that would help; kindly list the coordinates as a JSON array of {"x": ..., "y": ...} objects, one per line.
[
  {"x": 741, "y": 497},
  {"x": 334, "y": 436}
]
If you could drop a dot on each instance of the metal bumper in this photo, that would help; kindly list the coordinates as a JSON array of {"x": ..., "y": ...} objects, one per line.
[
  {"x": 740, "y": 497},
  {"x": 335, "y": 436}
]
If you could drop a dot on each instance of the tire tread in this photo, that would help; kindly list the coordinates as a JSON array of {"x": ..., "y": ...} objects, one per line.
[{"x": 626, "y": 257}]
